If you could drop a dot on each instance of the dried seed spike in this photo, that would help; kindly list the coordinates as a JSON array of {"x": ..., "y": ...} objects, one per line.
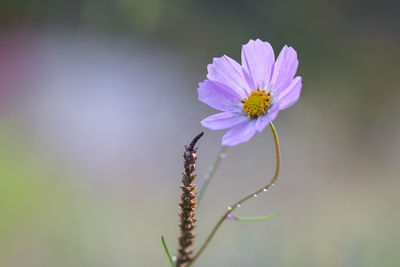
[{"x": 188, "y": 205}]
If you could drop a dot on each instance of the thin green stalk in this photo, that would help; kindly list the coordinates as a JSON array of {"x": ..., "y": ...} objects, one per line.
[
  {"x": 167, "y": 251},
  {"x": 234, "y": 206},
  {"x": 211, "y": 173}
]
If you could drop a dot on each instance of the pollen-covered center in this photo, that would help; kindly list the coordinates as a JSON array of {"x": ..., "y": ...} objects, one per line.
[{"x": 257, "y": 103}]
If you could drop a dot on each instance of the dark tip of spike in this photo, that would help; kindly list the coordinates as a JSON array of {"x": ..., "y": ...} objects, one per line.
[{"x": 193, "y": 143}]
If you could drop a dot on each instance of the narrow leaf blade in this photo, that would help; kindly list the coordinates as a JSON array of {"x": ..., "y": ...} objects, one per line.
[
  {"x": 167, "y": 251},
  {"x": 257, "y": 219}
]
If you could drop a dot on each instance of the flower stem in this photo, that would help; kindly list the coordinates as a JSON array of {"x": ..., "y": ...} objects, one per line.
[
  {"x": 234, "y": 206},
  {"x": 211, "y": 173}
]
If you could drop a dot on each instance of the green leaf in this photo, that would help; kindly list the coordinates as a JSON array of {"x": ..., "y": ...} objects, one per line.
[
  {"x": 167, "y": 251},
  {"x": 257, "y": 219}
]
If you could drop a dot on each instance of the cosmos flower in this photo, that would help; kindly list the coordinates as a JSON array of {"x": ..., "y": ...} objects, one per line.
[{"x": 250, "y": 95}]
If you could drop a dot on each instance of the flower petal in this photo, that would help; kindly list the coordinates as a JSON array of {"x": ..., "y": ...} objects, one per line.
[
  {"x": 223, "y": 120},
  {"x": 258, "y": 62},
  {"x": 290, "y": 94},
  {"x": 240, "y": 133},
  {"x": 263, "y": 121},
  {"x": 218, "y": 96},
  {"x": 284, "y": 70},
  {"x": 227, "y": 71}
]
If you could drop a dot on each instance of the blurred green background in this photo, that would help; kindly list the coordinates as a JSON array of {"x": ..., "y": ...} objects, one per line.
[{"x": 98, "y": 97}]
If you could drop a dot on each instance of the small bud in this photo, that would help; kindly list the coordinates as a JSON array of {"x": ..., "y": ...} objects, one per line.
[{"x": 231, "y": 217}]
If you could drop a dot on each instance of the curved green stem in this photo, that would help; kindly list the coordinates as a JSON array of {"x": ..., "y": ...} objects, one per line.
[
  {"x": 211, "y": 173},
  {"x": 234, "y": 206}
]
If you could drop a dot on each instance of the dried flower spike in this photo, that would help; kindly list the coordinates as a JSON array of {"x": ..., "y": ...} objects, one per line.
[{"x": 187, "y": 205}]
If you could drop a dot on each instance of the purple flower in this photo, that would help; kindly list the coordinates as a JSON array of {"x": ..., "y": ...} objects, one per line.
[{"x": 250, "y": 95}]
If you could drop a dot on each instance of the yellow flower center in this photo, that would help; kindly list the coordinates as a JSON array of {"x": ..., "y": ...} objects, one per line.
[{"x": 257, "y": 103}]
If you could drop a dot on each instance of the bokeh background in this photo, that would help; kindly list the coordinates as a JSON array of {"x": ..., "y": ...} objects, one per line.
[{"x": 98, "y": 98}]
